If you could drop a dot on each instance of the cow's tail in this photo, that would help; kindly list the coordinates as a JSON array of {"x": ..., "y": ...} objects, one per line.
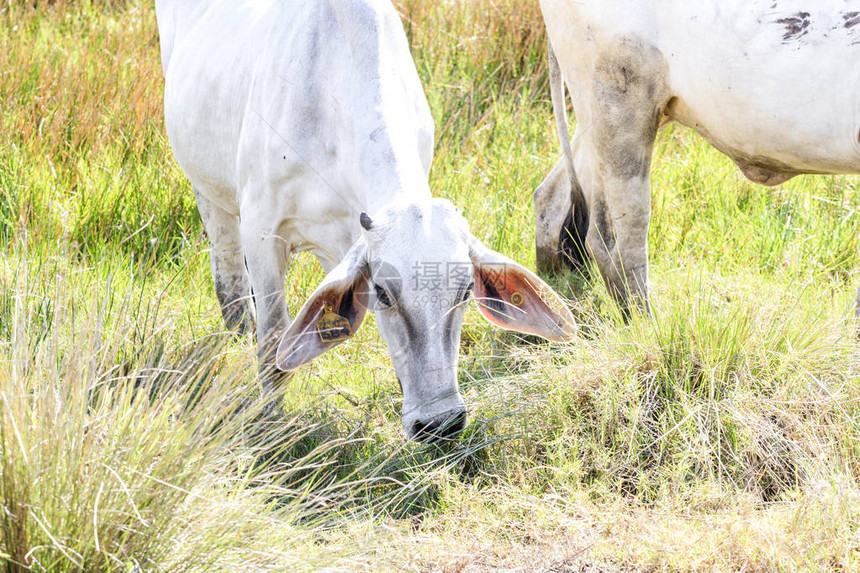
[{"x": 575, "y": 227}]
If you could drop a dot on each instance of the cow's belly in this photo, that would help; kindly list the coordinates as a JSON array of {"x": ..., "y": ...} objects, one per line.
[
  {"x": 775, "y": 99},
  {"x": 773, "y": 129},
  {"x": 766, "y": 144}
]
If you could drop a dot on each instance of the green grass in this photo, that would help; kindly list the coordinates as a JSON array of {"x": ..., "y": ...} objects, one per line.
[{"x": 723, "y": 432}]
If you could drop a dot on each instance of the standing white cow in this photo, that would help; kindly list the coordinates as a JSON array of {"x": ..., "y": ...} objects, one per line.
[
  {"x": 293, "y": 119},
  {"x": 773, "y": 84}
]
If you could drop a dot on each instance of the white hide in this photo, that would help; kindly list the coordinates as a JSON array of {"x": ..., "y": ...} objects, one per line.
[{"x": 774, "y": 84}]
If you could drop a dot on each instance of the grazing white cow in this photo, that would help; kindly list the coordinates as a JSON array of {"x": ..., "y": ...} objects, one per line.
[
  {"x": 773, "y": 84},
  {"x": 293, "y": 120}
]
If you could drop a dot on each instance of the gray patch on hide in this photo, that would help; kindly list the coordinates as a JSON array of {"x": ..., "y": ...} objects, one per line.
[
  {"x": 796, "y": 26},
  {"x": 629, "y": 86},
  {"x": 601, "y": 231}
]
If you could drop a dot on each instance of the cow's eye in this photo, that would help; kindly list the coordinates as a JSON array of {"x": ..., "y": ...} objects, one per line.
[
  {"x": 467, "y": 295},
  {"x": 382, "y": 296}
]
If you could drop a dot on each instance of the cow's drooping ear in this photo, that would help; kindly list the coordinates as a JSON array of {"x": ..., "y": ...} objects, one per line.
[
  {"x": 332, "y": 313},
  {"x": 514, "y": 298}
]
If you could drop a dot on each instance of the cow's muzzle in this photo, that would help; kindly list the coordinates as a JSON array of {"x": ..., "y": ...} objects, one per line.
[{"x": 445, "y": 426}]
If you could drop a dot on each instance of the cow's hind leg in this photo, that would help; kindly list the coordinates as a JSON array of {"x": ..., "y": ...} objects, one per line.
[
  {"x": 561, "y": 224},
  {"x": 227, "y": 260}
]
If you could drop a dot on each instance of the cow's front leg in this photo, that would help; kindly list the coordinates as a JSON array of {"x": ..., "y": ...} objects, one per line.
[
  {"x": 619, "y": 146},
  {"x": 618, "y": 238},
  {"x": 624, "y": 108},
  {"x": 266, "y": 254}
]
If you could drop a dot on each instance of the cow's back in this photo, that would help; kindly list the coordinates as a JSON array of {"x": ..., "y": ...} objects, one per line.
[
  {"x": 772, "y": 85},
  {"x": 323, "y": 94}
]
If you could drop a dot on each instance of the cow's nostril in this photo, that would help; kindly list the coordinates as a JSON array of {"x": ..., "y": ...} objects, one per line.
[
  {"x": 420, "y": 430},
  {"x": 440, "y": 428}
]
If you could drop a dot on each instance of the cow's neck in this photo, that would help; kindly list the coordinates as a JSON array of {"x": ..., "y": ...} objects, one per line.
[
  {"x": 387, "y": 139},
  {"x": 401, "y": 179}
]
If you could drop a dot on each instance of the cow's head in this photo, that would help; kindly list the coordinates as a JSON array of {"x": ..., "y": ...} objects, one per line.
[{"x": 417, "y": 266}]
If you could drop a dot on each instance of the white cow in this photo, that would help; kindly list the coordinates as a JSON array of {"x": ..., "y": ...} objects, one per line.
[
  {"x": 293, "y": 119},
  {"x": 773, "y": 84}
]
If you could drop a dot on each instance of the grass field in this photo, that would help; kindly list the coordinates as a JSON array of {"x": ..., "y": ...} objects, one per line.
[{"x": 722, "y": 433}]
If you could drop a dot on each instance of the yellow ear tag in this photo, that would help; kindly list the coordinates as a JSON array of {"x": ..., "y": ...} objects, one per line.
[
  {"x": 517, "y": 298},
  {"x": 332, "y": 327}
]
